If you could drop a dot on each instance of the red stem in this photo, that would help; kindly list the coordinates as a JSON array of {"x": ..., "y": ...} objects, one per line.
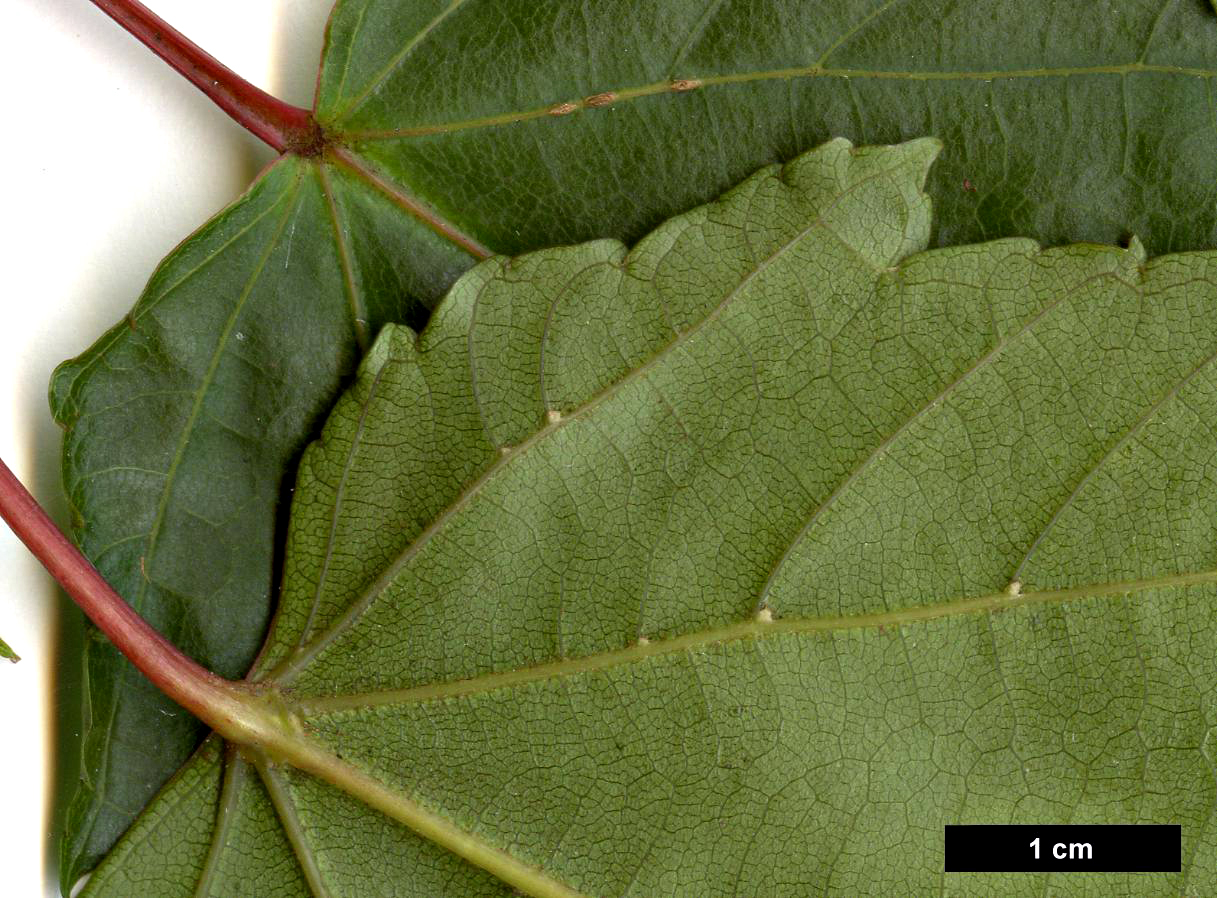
[
  {"x": 193, "y": 687},
  {"x": 286, "y": 128}
]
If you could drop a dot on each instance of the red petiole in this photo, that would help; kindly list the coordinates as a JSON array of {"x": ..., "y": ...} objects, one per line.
[
  {"x": 193, "y": 687},
  {"x": 286, "y": 128}
]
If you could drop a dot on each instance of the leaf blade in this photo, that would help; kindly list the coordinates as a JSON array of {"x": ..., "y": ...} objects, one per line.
[
  {"x": 1051, "y": 137},
  {"x": 597, "y": 125},
  {"x": 773, "y": 805},
  {"x": 820, "y": 742},
  {"x": 180, "y": 425}
]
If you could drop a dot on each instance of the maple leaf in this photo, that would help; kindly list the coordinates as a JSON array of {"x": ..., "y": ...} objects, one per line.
[{"x": 736, "y": 563}]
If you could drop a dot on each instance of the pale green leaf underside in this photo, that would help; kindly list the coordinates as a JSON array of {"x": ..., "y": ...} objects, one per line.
[{"x": 739, "y": 563}]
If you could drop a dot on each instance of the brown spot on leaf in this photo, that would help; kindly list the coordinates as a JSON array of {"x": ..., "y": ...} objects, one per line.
[{"x": 600, "y": 99}]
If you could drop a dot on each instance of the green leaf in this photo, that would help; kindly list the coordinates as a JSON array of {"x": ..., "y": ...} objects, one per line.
[
  {"x": 531, "y": 123},
  {"x": 6, "y": 652},
  {"x": 457, "y": 125},
  {"x": 738, "y": 564},
  {"x": 182, "y": 422}
]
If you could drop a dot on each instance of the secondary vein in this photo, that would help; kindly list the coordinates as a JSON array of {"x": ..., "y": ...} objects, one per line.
[
  {"x": 1110, "y": 453},
  {"x": 312, "y": 758},
  {"x": 293, "y": 829},
  {"x": 395, "y": 62},
  {"x": 359, "y": 313},
  {"x": 234, "y": 780},
  {"x": 410, "y": 203},
  {"x": 203, "y": 389},
  {"x": 999, "y": 347}
]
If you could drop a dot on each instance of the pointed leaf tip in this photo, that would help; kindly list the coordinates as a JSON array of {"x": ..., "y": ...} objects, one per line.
[{"x": 6, "y": 652}]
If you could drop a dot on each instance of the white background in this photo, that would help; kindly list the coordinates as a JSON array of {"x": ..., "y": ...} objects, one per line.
[{"x": 109, "y": 159}]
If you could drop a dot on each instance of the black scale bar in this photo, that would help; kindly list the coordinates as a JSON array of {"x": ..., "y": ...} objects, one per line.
[{"x": 1059, "y": 848}]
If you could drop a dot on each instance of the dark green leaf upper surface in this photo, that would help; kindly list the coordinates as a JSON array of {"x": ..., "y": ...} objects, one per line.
[
  {"x": 740, "y": 562},
  {"x": 461, "y": 126},
  {"x": 182, "y": 423},
  {"x": 534, "y": 123}
]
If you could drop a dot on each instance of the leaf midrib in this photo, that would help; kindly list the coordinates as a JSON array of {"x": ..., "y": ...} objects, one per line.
[
  {"x": 561, "y": 108},
  {"x": 757, "y": 627}
]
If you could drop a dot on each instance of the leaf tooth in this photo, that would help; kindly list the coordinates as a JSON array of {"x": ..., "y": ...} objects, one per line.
[{"x": 1137, "y": 249}]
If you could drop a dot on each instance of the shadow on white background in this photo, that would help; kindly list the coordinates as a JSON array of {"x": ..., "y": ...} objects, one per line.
[{"x": 110, "y": 160}]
